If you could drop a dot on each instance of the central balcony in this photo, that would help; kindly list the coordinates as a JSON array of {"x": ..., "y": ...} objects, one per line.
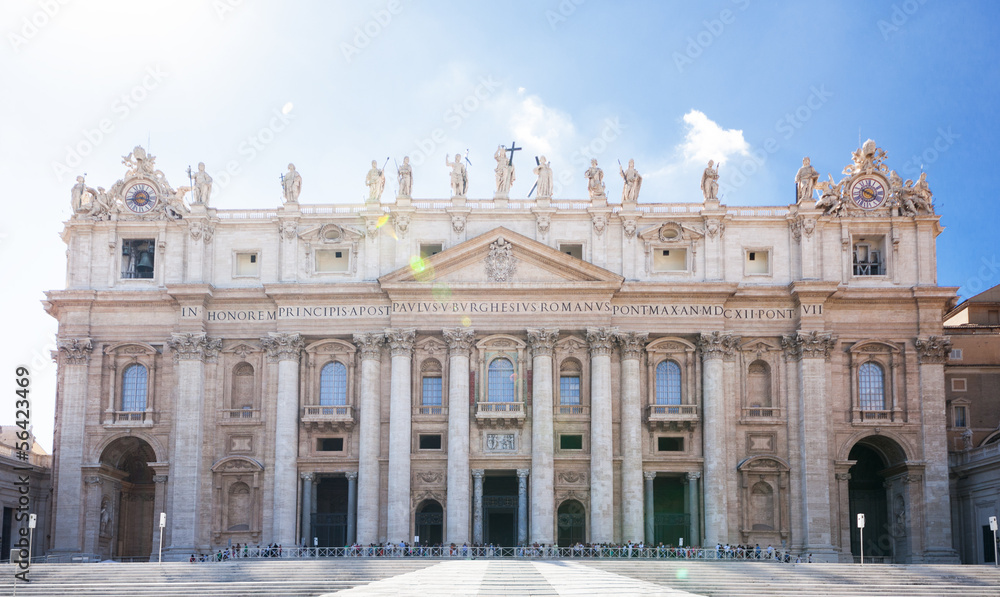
[
  {"x": 672, "y": 417},
  {"x": 500, "y": 414},
  {"x": 339, "y": 417}
]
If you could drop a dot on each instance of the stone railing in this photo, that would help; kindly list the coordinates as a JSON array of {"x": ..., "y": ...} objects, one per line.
[
  {"x": 247, "y": 214},
  {"x": 761, "y": 412},
  {"x": 672, "y": 416},
  {"x": 339, "y": 416},
  {"x": 430, "y": 410},
  {"x": 500, "y": 414},
  {"x": 979, "y": 454},
  {"x": 231, "y": 416},
  {"x": 42, "y": 460},
  {"x": 131, "y": 417},
  {"x": 571, "y": 409},
  {"x": 873, "y": 417}
]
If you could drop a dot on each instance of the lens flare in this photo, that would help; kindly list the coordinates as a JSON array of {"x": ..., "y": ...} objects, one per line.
[
  {"x": 682, "y": 573},
  {"x": 441, "y": 292},
  {"x": 466, "y": 321}
]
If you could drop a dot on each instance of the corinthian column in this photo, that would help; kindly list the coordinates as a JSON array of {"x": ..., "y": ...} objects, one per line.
[
  {"x": 812, "y": 351},
  {"x": 74, "y": 357},
  {"x": 632, "y": 345},
  {"x": 936, "y": 530},
  {"x": 285, "y": 350},
  {"x": 459, "y": 342},
  {"x": 400, "y": 412},
  {"x": 542, "y": 475},
  {"x": 477, "y": 506},
  {"x": 370, "y": 345},
  {"x": 714, "y": 348},
  {"x": 522, "y": 506},
  {"x": 601, "y": 451}
]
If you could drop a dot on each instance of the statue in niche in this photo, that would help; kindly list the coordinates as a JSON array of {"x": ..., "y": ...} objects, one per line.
[
  {"x": 633, "y": 182},
  {"x": 544, "y": 172},
  {"x": 805, "y": 181},
  {"x": 376, "y": 183},
  {"x": 405, "y": 177},
  {"x": 291, "y": 185},
  {"x": 595, "y": 180},
  {"x": 459, "y": 176},
  {"x": 710, "y": 182},
  {"x": 202, "y": 186},
  {"x": 105, "y": 518},
  {"x": 504, "y": 171}
]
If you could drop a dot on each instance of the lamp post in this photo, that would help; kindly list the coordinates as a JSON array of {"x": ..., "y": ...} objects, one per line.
[
  {"x": 993, "y": 527},
  {"x": 163, "y": 523},
  {"x": 32, "y": 518},
  {"x": 861, "y": 529}
]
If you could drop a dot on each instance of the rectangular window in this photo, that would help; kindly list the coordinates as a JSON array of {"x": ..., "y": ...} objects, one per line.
[
  {"x": 430, "y": 441},
  {"x": 993, "y": 317},
  {"x": 569, "y": 389},
  {"x": 570, "y": 442},
  {"x": 960, "y": 417},
  {"x": 869, "y": 256},
  {"x": 431, "y": 394},
  {"x": 757, "y": 262},
  {"x": 669, "y": 260},
  {"x": 670, "y": 444},
  {"x": 246, "y": 265},
  {"x": 956, "y": 354},
  {"x": 573, "y": 250},
  {"x": 330, "y": 444},
  {"x": 430, "y": 249},
  {"x": 137, "y": 258},
  {"x": 958, "y": 384},
  {"x": 332, "y": 260}
]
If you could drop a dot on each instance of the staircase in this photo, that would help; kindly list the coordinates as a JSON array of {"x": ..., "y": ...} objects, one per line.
[{"x": 419, "y": 576}]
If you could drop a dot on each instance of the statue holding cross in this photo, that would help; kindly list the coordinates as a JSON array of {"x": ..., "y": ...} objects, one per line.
[{"x": 505, "y": 169}]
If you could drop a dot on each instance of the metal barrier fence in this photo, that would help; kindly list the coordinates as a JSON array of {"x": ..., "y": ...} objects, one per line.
[{"x": 459, "y": 552}]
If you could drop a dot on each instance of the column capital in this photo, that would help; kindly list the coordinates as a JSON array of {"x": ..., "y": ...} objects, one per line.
[
  {"x": 542, "y": 341},
  {"x": 459, "y": 340},
  {"x": 194, "y": 347},
  {"x": 523, "y": 472},
  {"x": 693, "y": 476},
  {"x": 282, "y": 347},
  {"x": 718, "y": 345},
  {"x": 159, "y": 478},
  {"x": 370, "y": 345},
  {"x": 478, "y": 473},
  {"x": 351, "y": 475},
  {"x": 843, "y": 476},
  {"x": 400, "y": 341},
  {"x": 632, "y": 344},
  {"x": 306, "y": 477},
  {"x": 933, "y": 349},
  {"x": 75, "y": 351},
  {"x": 649, "y": 475},
  {"x": 601, "y": 340}
]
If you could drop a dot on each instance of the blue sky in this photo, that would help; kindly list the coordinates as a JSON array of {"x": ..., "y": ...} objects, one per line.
[{"x": 249, "y": 86}]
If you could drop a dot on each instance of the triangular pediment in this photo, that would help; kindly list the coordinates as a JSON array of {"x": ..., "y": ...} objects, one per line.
[{"x": 502, "y": 256}]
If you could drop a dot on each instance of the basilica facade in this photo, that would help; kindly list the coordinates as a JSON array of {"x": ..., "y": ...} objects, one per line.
[{"x": 503, "y": 371}]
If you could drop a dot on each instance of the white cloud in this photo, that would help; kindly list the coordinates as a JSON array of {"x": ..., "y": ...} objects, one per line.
[
  {"x": 706, "y": 140},
  {"x": 540, "y": 126}
]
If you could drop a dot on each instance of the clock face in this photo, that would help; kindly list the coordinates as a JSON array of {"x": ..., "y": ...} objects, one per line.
[
  {"x": 140, "y": 197},
  {"x": 868, "y": 192}
]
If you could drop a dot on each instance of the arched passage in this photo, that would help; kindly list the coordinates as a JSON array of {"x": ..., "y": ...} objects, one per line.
[
  {"x": 571, "y": 523},
  {"x": 878, "y": 489},
  {"x": 430, "y": 522},
  {"x": 122, "y": 499}
]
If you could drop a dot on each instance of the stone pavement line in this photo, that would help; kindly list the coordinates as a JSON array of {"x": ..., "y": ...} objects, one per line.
[
  {"x": 574, "y": 578},
  {"x": 463, "y": 577}
]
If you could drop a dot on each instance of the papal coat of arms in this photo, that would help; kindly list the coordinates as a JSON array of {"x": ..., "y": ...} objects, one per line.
[{"x": 500, "y": 263}]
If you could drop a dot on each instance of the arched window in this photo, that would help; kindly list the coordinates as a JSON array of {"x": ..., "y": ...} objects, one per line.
[
  {"x": 134, "y": 388},
  {"x": 243, "y": 386},
  {"x": 569, "y": 384},
  {"x": 871, "y": 379},
  {"x": 431, "y": 387},
  {"x": 759, "y": 384},
  {"x": 668, "y": 383},
  {"x": 333, "y": 384},
  {"x": 501, "y": 384}
]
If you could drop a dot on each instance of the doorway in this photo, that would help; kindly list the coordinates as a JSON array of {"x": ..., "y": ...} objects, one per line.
[
  {"x": 500, "y": 510},
  {"x": 329, "y": 523}
]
